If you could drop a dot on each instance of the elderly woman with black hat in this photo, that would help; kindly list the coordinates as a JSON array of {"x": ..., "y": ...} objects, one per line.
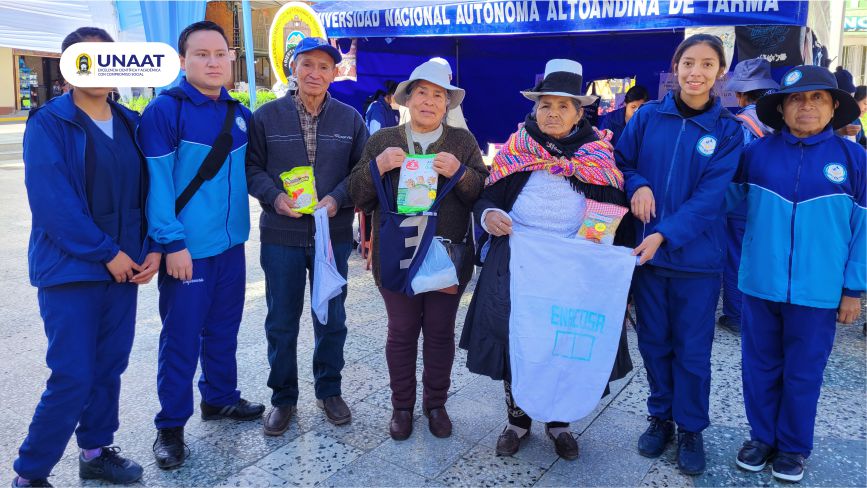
[
  {"x": 373, "y": 187},
  {"x": 541, "y": 181},
  {"x": 803, "y": 263}
]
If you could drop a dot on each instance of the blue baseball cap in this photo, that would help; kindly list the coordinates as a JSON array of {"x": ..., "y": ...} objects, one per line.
[{"x": 312, "y": 43}]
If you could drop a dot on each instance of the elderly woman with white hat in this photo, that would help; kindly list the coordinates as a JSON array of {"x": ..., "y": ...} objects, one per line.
[
  {"x": 373, "y": 186},
  {"x": 542, "y": 180}
]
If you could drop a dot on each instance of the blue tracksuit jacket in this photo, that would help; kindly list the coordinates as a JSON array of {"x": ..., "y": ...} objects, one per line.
[
  {"x": 688, "y": 163},
  {"x": 805, "y": 241},
  {"x": 66, "y": 245},
  {"x": 175, "y": 137}
]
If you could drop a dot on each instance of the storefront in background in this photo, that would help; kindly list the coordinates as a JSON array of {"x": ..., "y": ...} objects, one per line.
[
  {"x": 35, "y": 74},
  {"x": 854, "y": 53}
]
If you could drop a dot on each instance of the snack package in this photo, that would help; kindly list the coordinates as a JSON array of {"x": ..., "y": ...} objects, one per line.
[
  {"x": 417, "y": 187},
  {"x": 301, "y": 187},
  {"x": 601, "y": 221}
]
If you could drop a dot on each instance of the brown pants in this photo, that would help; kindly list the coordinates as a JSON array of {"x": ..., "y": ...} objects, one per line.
[{"x": 434, "y": 314}]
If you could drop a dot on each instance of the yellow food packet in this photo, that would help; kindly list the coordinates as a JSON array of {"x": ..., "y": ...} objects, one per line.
[{"x": 301, "y": 187}]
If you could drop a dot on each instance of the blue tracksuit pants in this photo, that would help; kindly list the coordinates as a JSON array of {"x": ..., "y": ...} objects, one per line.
[
  {"x": 735, "y": 228},
  {"x": 90, "y": 328},
  {"x": 785, "y": 349},
  {"x": 675, "y": 334},
  {"x": 201, "y": 318}
]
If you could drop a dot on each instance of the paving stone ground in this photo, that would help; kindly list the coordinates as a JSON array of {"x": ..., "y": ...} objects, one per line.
[{"x": 313, "y": 452}]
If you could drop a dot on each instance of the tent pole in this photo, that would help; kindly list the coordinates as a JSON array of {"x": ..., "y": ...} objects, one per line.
[
  {"x": 458, "y": 61},
  {"x": 248, "y": 52}
]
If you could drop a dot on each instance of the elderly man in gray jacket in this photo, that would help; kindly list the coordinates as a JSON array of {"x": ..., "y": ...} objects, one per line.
[{"x": 308, "y": 129}]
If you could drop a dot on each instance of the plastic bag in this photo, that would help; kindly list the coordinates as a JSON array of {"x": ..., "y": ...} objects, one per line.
[
  {"x": 565, "y": 322},
  {"x": 301, "y": 187},
  {"x": 601, "y": 221},
  {"x": 327, "y": 281},
  {"x": 436, "y": 271},
  {"x": 417, "y": 186}
]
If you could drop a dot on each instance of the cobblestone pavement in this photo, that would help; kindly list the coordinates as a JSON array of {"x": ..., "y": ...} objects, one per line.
[{"x": 313, "y": 452}]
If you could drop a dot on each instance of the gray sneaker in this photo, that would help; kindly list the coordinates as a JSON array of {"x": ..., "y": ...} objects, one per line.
[{"x": 110, "y": 466}]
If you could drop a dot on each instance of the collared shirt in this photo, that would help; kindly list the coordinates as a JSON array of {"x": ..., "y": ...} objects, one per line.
[{"x": 309, "y": 124}]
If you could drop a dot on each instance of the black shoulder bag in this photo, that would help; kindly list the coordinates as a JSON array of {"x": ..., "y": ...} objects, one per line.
[{"x": 216, "y": 157}]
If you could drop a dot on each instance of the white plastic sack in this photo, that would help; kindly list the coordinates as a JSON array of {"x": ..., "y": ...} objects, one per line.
[
  {"x": 568, "y": 299},
  {"x": 327, "y": 281},
  {"x": 436, "y": 271}
]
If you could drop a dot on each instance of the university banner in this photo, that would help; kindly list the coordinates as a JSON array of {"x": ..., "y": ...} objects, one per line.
[{"x": 556, "y": 16}]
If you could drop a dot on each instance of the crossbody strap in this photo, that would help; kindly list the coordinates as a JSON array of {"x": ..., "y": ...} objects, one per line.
[{"x": 213, "y": 162}]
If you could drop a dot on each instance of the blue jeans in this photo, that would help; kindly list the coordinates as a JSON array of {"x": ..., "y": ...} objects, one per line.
[{"x": 286, "y": 269}]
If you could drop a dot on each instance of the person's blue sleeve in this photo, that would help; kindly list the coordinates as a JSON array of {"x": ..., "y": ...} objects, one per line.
[
  {"x": 157, "y": 136},
  {"x": 738, "y": 188},
  {"x": 702, "y": 208},
  {"x": 54, "y": 204},
  {"x": 626, "y": 153},
  {"x": 855, "y": 275}
]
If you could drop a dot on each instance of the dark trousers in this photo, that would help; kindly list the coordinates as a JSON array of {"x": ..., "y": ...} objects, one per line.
[
  {"x": 201, "y": 318},
  {"x": 675, "y": 334},
  {"x": 432, "y": 313},
  {"x": 286, "y": 274},
  {"x": 735, "y": 228},
  {"x": 785, "y": 350},
  {"x": 90, "y": 328}
]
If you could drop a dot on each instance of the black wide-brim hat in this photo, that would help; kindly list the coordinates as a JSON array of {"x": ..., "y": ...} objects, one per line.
[{"x": 803, "y": 79}]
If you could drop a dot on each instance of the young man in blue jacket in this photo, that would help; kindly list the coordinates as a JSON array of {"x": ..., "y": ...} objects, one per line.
[
  {"x": 203, "y": 281},
  {"x": 750, "y": 80},
  {"x": 87, "y": 185},
  {"x": 803, "y": 264}
]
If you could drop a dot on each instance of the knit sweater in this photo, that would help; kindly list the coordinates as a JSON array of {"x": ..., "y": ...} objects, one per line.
[
  {"x": 454, "y": 212},
  {"x": 276, "y": 144}
]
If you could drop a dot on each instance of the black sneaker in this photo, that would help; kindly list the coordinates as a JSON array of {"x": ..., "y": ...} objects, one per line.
[
  {"x": 241, "y": 410},
  {"x": 754, "y": 456},
  {"x": 170, "y": 451},
  {"x": 658, "y": 434},
  {"x": 690, "y": 453},
  {"x": 788, "y": 466},
  {"x": 41, "y": 483},
  {"x": 109, "y": 466},
  {"x": 729, "y": 324}
]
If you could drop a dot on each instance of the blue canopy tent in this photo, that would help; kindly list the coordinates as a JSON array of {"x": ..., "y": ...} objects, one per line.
[{"x": 502, "y": 50}]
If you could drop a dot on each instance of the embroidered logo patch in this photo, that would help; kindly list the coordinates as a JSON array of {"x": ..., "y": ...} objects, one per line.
[
  {"x": 835, "y": 172},
  {"x": 792, "y": 78},
  {"x": 706, "y": 145},
  {"x": 239, "y": 121}
]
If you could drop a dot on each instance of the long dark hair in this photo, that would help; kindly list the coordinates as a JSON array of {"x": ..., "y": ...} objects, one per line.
[
  {"x": 82, "y": 34},
  {"x": 713, "y": 41}
]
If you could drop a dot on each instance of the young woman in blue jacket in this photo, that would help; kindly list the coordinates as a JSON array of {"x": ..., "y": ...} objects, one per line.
[
  {"x": 86, "y": 183},
  {"x": 678, "y": 156}
]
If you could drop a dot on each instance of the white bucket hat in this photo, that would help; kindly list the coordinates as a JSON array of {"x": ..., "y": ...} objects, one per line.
[
  {"x": 563, "y": 77},
  {"x": 432, "y": 72}
]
